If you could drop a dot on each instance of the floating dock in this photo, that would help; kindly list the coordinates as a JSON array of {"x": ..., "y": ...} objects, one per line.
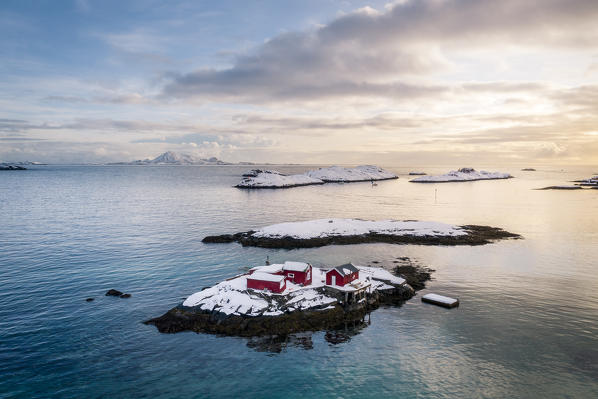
[{"x": 440, "y": 300}]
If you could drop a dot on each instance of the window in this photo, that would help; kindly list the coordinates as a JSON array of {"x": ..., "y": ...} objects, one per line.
[{"x": 291, "y": 275}]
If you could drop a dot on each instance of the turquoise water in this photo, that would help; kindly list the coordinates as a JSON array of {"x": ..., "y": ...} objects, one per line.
[{"x": 527, "y": 326}]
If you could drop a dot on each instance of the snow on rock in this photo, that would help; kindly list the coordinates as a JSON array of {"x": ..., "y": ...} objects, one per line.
[
  {"x": 377, "y": 273},
  {"x": 349, "y": 227},
  {"x": 228, "y": 297},
  {"x": 359, "y": 173},
  {"x": 463, "y": 174},
  {"x": 272, "y": 179}
]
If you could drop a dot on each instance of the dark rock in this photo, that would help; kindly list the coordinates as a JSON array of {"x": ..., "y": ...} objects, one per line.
[
  {"x": 113, "y": 293},
  {"x": 562, "y": 188},
  {"x": 89, "y": 299},
  {"x": 416, "y": 276},
  {"x": 11, "y": 167},
  {"x": 124, "y": 296}
]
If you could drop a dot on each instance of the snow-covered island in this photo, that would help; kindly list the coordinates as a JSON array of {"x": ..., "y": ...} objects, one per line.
[
  {"x": 285, "y": 298},
  {"x": 335, "y": 174},
  {"x": 463, "y": 174},
  {"x": 321, "y": 232}
]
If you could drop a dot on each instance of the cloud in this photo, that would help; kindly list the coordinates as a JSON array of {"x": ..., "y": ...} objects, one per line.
[{"x": 368, "y": 53}]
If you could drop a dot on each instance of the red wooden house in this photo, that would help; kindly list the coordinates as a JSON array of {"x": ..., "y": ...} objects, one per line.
[
  {"x": 266, "y": 281},
  {"x": 298, "y": 272},
  {"x": 342, "y": 275}
]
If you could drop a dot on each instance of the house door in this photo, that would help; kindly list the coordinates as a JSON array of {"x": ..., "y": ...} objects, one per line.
[{"x": 333, "y": 280}]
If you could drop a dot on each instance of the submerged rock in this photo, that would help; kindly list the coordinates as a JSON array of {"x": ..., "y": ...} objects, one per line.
[
  {"x": 89, "y": 299},
  {"x": 124, "y": 296},
  {"x": 113, "y": 292}
]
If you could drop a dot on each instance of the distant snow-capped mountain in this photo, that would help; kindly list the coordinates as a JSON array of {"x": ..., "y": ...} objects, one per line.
[{"x": 177, "y": 158}]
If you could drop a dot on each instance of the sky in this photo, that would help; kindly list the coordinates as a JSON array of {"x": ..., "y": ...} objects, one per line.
[{"x": 411, "y": 82}]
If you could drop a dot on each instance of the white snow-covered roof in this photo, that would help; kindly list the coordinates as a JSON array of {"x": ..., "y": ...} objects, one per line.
[
  {"x": 295, "y": 266},
  {"x": 463, "y": 174},
  {"x": 345, "y": 270},
  {"x": 347, "y": 227},
  {"x": 273, "y": 268},
  {"x": 266, "y": 277}
]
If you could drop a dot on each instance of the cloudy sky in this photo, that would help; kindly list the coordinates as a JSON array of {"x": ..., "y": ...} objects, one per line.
[{"x": 412, "y": 82}]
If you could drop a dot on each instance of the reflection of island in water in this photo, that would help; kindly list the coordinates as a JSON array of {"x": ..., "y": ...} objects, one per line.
[
  {"x": 281, "y": 305},
  {"x": 279, "y": 343}
]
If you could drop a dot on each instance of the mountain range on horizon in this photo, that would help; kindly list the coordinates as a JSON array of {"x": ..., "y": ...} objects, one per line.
[{"x": 176, "y": 158}]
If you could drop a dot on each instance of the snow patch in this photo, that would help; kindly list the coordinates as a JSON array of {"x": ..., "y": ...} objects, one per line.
[
  {"x": 320, "y": 228},
  {"x": 359, "y": 173}
]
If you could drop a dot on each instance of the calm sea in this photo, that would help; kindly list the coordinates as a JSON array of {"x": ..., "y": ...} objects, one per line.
[{"x": 527, "y": 326}]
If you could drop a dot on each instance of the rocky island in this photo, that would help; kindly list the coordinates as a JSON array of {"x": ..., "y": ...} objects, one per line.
[
  {"x": 6, "y": 166},
  {"x": 321, "y": 232},
  {"x": 591, "y": 182},
  {"x": 258, "y": 178},
  {"x": 286, "y": 298},
  {"x": 463, "y": 174}
]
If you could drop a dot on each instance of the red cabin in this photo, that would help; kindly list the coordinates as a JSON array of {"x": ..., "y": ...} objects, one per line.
[
  {"x": 342, "y": 275},
  {"x": 266, "y": 281},
  {"x": 297, "y": 272}
]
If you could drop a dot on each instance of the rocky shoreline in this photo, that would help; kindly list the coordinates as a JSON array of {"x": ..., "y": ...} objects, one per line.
[
  {"x": 476, "y": 235},
  {"x": 326, "y": 317}
]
